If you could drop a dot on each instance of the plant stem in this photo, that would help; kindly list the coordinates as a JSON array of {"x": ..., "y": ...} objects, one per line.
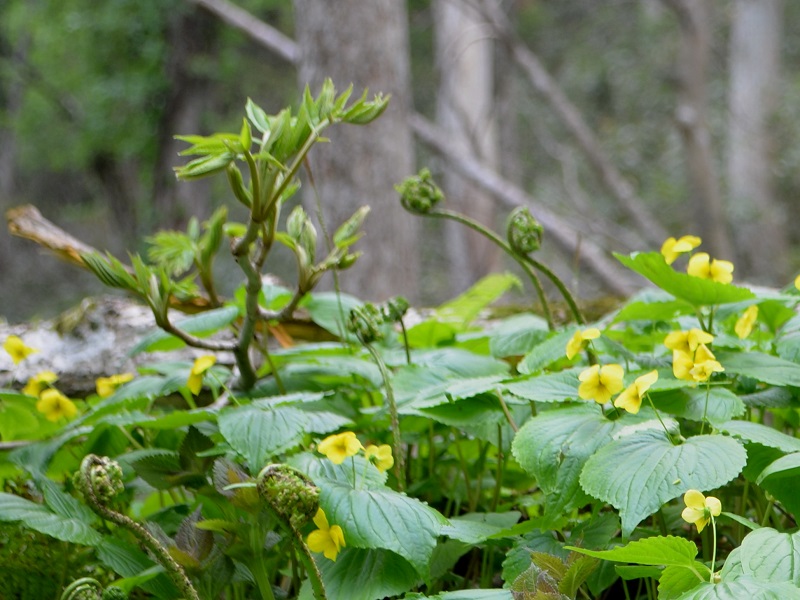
[
  {"x": 655, "y": 410},
  {"x": 565, "y": 293},
  {"x": 475, "y": 226},
  {"x": 714, "y": 547},
  {"x": 397, "y": 443},
  {"x": 705, "y": 409}
]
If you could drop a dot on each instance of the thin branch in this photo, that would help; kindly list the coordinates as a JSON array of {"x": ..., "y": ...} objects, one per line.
[
  {"x": 571, "y": 117},
  {"x": 259, "y": 31}
]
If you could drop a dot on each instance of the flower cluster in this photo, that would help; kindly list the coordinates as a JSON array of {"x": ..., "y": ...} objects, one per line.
[
  {"x": 700, "y": 264},
  {"x": 692, "y": 360},
  {"x": 601, "y": 383},
  {"x": 339, "y": 446}
]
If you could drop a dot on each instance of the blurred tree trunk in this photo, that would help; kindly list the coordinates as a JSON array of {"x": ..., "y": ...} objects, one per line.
[
  {"x": 364, "y": 43},
  {"x": 190, "y": 34},
  {"x": 691, "y": 115},
  {"x": 759, "y": 220},
  {"x": 464, "y": 60}
]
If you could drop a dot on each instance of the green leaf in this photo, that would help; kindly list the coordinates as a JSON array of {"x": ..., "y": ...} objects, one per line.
[
  {"x": 639, "y": 472},
  {"x": 554, "y": 446},
  {"x": 366, "y": 574},
  {"x": 717, "y": 404},
  {"x": 465, "y": 595},
  {"x": 516, "y": 335},
  {"x": 259, "y": 434},
  {"x": 695, "y": 290},
  {"x": 768, "y": 555},
  {"x": 654, "y": 551},
  {"x": 744, "y": 587},
  {"x": 383, "y": 518},
  {"x": 653, "y": 311},
  {"x": 761, "y": 434},
  {"x": 128, "y": 561},
  {"x": 552, "y": 387},
  {"x": 40, "y": 518},
  {"x": 675, "y": 581},
  {"x": 457, "y": 314},
  {"x": 173, "y": 250},
  {"x": 17, "y": 416},
  {"x": 331, "y": 311},
  {"x": 786, "y": 466},
  {"x": 549, "y": 351},
  {"x": 201, "y": 325},
  {"x": 577, "y": 573},
  {"x": 761, "y": 367},
  {"x": 476, "y": 528}
]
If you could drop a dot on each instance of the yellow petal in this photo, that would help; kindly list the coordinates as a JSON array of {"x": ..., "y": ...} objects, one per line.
[
  {"x": 744, "y": 324},
  {"x": 644, "y": 382},
  {"x": 694, "y": 499},
  {"x": 721, "y": 271},
  {"x": 699, "y": 265},
  {"x": 714, "y": 505},
  {"x": 321, "y": 520},
  {"x": 629, "y": 400},
  {"x": 574, "y": 345},
  {"x": 677, "y": 340},
  {"x": 682, "y": 364},
  {"x": 695, "y": 337},
  {"x": 17, "y": 349},
  {"x": 203, "y": 364},
  {"x": 611, "y": 377}
]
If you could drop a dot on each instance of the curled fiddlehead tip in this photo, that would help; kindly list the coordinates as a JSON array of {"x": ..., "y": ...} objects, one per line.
[
  {"x": 85, "y": 588},
  {"x": 524, "y": 232},
  {"x": 102, "y": 476},
  {"x": 290, "y": 493},
  {"x": 419, "y": 194},
  {"x": 394, "y": 309},
  {"x": 365, "y": 322}
]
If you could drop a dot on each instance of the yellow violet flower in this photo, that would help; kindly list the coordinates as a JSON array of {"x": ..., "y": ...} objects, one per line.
[
  {"x": 631, "y": 398},
  {"x": 380, "y": 456},
  {"x": 579, "y": 340},
  {"x": 699, "y": 509},
  {"x": 38, "y": 382},
  {"x": 54, "y": 405},
  {"x": 327, "y": 539},
  {"x": 701, "y": 265},
  {"x": 201, "y": 365},
  {"x": 687, "y": 341},
  {"x": 600, "y": 383},
  {"x": 672, "y": 248},
  {"x": 339, "y": 446},
  {"x": 697, "y": 367},
  {"x": 17, "y": 349},
  {"x": 744, "y": 325},
  {"x": 108, "y": 385}
]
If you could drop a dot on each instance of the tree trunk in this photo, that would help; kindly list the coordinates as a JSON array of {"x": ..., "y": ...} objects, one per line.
[
  {"x": 691, "y": 114},
  {"x": 189, "y": 34},
  {"x": 759, "y": 220},
  {"x": 464, "y": 59},
  {"x": 364, "y": 43}
]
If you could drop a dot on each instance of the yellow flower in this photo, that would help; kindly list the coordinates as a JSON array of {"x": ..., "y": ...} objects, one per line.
[
  {"x": 328, "y": 540},
  {"x": 17, "y": 349},
  {"x": 673, "y": 248},
  {"x": 339, "y": 446},
  {"x": 699, "y": 509},
  {"x": 797, "y": 282},
  {"x": 687, "y": 341},
  {"x": 631, "y": 398},
  {"x": 108, "y": 385},
  {"x": 380, "y": 456},
  {"x": 578, "y": 341},
  {"x": 695, "y": 367},
  {"x": 744, "y": 325},
  {"x": 38, "y": 382},
  {"x": 701, "y": 265},
  {"x": 600, "y": 383},
  {"x": 54, "y": 405},
  {"x": 201, "y": 365}
]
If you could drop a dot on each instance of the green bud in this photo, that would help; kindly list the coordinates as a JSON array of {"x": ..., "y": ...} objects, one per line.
[
  {"x": 363, "y": 112},
  {"x": 524, "y": 232},
  {"x": 365, "y": 322},
  {"x": 394, "y": 309},
  {"x": 348, "y": 260},
  {"x": 348, "y": 231},
  {"x": 419, "y": 194},
  {"x": 236, "y": 182},
  {"x": 105, "y": 477}
]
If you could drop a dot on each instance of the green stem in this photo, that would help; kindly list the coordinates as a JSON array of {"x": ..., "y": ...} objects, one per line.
[
  {"x": 259, "y": 569},
  {"x": 655, "y": 410},
  {"x": 174, "y": 570},
  {"x": 311, "y": 567},
  {"x": 475, "y": 226},
  {"x": 397, "y": 444},
  {"x": 565, "y": 293},
  {"x": 714, "y": 547},
  {"x": 705, "y": 409}
]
